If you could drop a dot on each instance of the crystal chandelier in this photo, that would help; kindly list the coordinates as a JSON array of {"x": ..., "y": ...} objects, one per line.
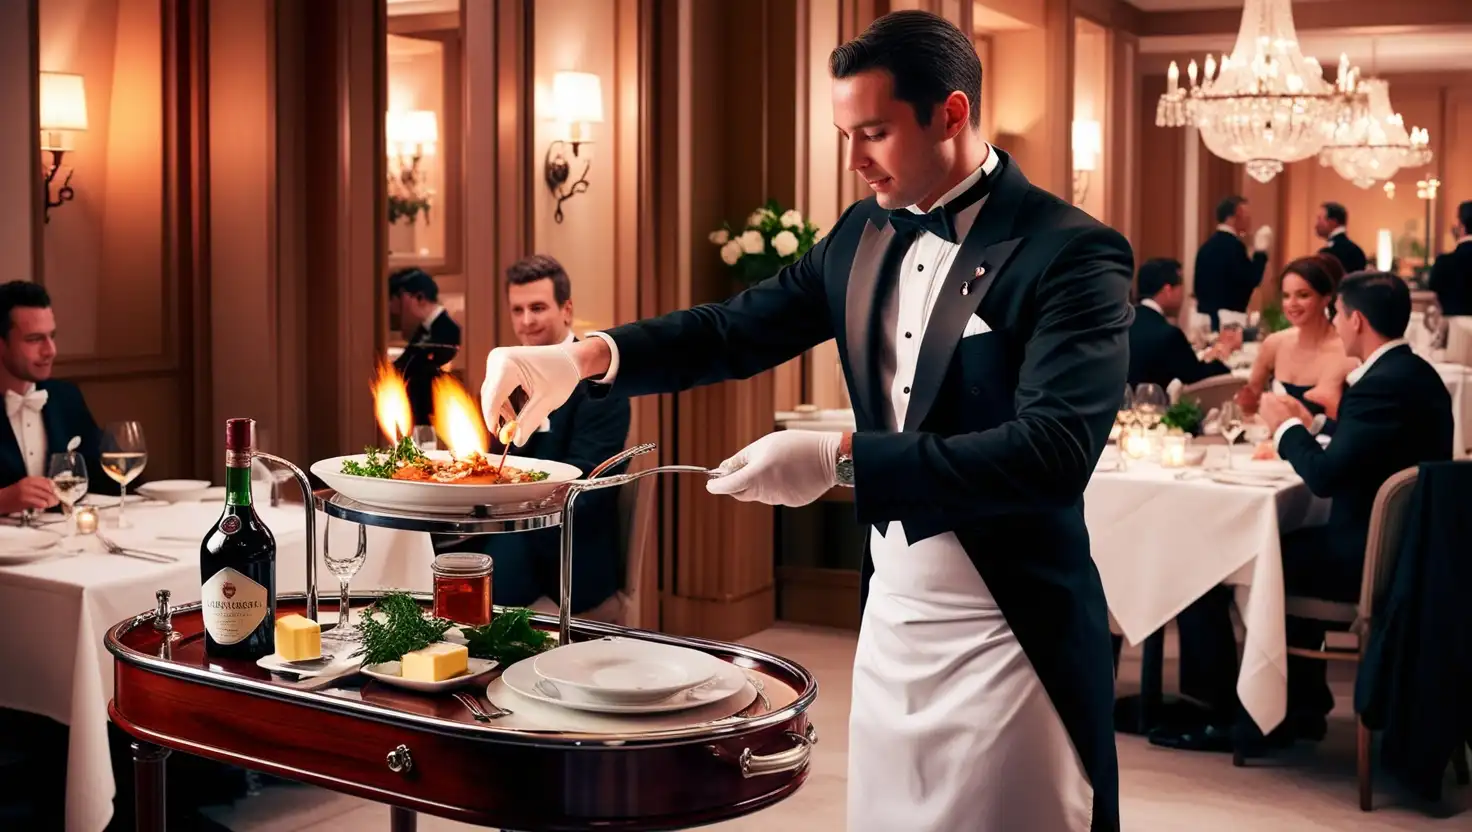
[
  {"x": 1266, "y": 104},
  {"x": 1375, "y": 146}
]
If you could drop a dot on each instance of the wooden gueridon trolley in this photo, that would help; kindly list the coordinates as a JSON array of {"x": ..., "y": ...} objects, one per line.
[{"x": 430, "y": 753}]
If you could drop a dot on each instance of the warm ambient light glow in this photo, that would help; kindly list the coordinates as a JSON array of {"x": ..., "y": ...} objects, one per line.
[
  {"x": 63, "y": 108},
  {"x": 391, "y": 404},
  {"x": 411, "y": 132},
  {"x": 457, "y": 419},
  {"x": 1088, "y": 143},
  {"x": 577, "y": 99},
  {"x": 1384, "y": 250}
]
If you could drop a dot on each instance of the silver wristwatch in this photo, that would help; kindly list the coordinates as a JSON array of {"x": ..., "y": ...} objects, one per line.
[{"x": 845, "y": 469}]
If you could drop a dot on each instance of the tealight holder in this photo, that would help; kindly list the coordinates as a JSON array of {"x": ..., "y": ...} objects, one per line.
[
  {"x": 1137, "y": 443},
  {"x": 85, "y": 518},
  {"x": 1173, "y": 450}
]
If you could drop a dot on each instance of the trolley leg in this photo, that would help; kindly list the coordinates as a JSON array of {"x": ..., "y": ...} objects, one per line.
[
  {"x": 401, "y": 819},
  {"x": 148, "y": 786}
]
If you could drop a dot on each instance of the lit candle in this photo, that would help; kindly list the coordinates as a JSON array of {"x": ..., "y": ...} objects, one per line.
[
  {"x": 86, "y": 519},
  {"x": 1173, "y": 451},
  {"x": 1173, "y": 76},
  {"x": 1137, "y": 443}
]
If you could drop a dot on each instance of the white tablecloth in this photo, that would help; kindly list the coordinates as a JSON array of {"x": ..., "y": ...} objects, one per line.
[
  {"x": 1161, "y": 542},
  {"x": 58, "y": 610}
]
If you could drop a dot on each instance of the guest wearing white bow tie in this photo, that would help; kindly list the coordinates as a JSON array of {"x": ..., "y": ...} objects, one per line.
[{"x": 43, "y": 414}]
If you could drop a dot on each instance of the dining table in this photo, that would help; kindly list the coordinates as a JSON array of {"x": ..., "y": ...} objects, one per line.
[{"x": 60, "y": 592}]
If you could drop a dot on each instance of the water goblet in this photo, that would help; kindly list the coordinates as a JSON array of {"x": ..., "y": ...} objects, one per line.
[
  {"x": 344, "y": 567},
  {"x": 68, "y": 474}
]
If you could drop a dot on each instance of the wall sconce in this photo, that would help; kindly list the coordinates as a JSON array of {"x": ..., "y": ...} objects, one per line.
[
  {"x": 1088, "y": 143},
  {"x": 577, "y": 101},
  {"x": 63, "y": 110},
  {"x": 411, "y": 135}
]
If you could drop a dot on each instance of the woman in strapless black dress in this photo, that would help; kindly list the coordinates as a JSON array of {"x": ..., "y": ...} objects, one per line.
[{"x": 1310, "y": 354}]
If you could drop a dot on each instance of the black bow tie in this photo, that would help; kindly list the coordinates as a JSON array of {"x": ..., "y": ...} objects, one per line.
[{"x": 941, "y": 221}]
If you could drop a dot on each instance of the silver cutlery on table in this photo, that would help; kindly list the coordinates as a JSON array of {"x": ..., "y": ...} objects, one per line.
[
  {"x": 140, "y": 554},
  {"x": 481, "y": 714}
]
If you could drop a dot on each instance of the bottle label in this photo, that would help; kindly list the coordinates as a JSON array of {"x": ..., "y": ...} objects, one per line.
[
  {"x": 233, "y": 606},
  {"x": 230, "y": 525}
]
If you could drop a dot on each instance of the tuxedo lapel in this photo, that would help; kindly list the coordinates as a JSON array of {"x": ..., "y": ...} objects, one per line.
[
  {"x": 877, "y": 253},
  {"x": 55, "y": 423},
  {"x": 10, "y": 458}
]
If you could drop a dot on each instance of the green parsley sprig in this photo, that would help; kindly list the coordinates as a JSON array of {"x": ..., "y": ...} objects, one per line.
[
  {"x": 509, "y": 638},
  {"x": 383, "y": 463},
  {"x": 395, "y": 624}
]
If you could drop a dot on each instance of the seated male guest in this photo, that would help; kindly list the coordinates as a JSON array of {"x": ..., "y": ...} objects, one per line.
[
  {"x": 433, "y": 336},
  {"x": 1395, "y": 414},
  {"x": 44, "y": 413},
  {"x": 1451, "y": 274},
  {"x": 1332, "y": 225},
  {"x": 584, "y": 432},
  {"x": 1159, "y": 351}
]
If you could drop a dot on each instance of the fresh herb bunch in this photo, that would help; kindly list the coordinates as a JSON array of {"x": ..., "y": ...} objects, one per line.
[
  {"x": 400, "y": 627},
  {"x": 383, "y": 464},
  {"x": 509, "y": 638},
  {"x": 1185, "y": 415}
]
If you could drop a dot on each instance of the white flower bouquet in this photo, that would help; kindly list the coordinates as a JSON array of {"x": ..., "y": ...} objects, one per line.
[{"x": 772, "y": 238}]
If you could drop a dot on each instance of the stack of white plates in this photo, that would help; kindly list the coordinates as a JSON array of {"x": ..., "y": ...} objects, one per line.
[{"x": 624, "y": 676}]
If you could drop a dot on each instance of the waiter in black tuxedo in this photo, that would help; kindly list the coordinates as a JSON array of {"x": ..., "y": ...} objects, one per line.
[
  {"x": 1226, "y": 276},
  {"x": 43, "y": 414},
  {"x": 983, "y": 328},
  {"x": 433, "y": 336},
  {"x": 1159, "y": 350},
  {"x": 1451, "y": 274},
  {"x": 1332, "y": 225}
]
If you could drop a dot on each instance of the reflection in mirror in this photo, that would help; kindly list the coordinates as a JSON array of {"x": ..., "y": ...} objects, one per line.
[{"x": 415, "y": 171}]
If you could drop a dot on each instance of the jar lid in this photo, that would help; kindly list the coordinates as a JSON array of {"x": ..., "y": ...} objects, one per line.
[{"x": 462, "y": 564}]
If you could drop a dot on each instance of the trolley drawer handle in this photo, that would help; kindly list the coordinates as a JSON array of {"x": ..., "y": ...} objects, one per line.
[
  {"x": 793, "y": 759},
  {"x": 400, "y": 761}
]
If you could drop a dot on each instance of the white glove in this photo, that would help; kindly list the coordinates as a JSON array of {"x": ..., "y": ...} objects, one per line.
[
  {"x": 549, "y": 375},
  {"x": 786, "y": 468},
  {"x": 1263, "y": 240}
]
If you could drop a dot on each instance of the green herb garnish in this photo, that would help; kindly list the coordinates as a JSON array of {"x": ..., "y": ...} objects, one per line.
[
  {"x": 509, "y": 638},
  {"x": 395, "y": 624},
  {"x": 1185, "y": 415},
  {"x": 383, "y": 463}
]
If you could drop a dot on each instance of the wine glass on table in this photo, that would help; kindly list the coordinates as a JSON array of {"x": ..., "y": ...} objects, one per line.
[
  {"x": 1232, "y": 420},
  {"x": 344, "y": 565},
  {"x": 68, "y": 474},
  {"x": 124, "y": 456},
  {"x": 1150, "y": 405}
]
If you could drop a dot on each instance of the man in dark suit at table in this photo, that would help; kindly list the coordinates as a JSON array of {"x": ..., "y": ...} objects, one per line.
[
  {"x": 1225, "y": 275},
  {"x": 1451, "y": 274},
  {"x": 433, "y": 336},
  {"x": 1159, "y": 350},
  {"x": 1332, "y": 224},
  {"x": 983, "y": 328},
  {"x": 584, "y": 431},
  {"x": 43, "y": 413},
  {"x": 1395, "y": 414}
]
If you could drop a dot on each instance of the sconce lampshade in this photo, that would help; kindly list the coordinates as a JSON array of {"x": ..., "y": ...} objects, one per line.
[
  {"x": 408, "y": 131},
  {"x": 577, "y": 97},
  {"x": 63, "y": 102},
  {"x": 1088, "y": 143}
]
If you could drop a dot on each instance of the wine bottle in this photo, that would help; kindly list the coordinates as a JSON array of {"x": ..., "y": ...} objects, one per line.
[{"x": 237, "y": 562}]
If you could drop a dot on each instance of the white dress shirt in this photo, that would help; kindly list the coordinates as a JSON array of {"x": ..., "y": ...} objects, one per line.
[
  {"x": 1354, "y": 375},
  {"x": 1336, "y": 232},
  {"x": 24, "y": 410}
]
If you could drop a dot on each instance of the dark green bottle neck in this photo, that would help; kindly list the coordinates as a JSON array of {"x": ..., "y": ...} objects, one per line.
[{"x": 237, "y": 486}]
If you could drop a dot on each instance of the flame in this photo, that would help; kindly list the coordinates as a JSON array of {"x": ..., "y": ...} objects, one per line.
[
  {"x": 457, "y": 419},
  {"x": 391, "y": 403}
]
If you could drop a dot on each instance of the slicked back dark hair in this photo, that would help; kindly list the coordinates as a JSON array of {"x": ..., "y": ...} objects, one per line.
[
  {"x": 1384, "y": 299},
  {"x": 21, "y": 293},
  {"x": 1227, "y": 208},
  {"x": 927, "y": 57}
]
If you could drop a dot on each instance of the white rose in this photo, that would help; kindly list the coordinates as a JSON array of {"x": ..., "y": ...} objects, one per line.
[
  {"x": 758, "y": 217},
  {"x": 720, "y": 237},
  {"x": 792, "y": 219},
  {"x": 731, "y": 252},
  {"x": 785, "y": 243},
  {"x": 752, "y": 242}
]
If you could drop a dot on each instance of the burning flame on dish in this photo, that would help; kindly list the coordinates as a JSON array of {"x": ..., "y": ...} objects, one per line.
[
  {"x": 391, "y": 403},
  {"x": 457, "y": 419}
]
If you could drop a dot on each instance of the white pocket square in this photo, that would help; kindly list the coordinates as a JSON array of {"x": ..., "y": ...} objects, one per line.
[{"x": 975, "y": 326}]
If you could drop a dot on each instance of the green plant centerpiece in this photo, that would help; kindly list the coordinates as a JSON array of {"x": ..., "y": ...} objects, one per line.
[
  {"x": 395, "y": 624},
  {"x": 1185, "y": 416},
  {"x": 1272, "y": 320},
  {"x": 770, "y": 239}
]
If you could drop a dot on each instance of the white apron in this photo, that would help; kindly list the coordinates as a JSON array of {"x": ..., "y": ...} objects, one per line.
[{"x": 951, "y": 729}]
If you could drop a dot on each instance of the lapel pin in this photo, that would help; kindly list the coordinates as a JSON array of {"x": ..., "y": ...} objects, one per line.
[{"x": 980, "y": 270}]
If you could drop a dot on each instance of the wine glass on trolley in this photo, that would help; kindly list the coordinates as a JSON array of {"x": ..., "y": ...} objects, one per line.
[
  {"x": 344, "y": 565},
  {"x": 124, "y": 456}
]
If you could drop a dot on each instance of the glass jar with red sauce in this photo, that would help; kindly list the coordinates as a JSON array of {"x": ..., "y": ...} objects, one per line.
[{"x": 462, "y": 588}]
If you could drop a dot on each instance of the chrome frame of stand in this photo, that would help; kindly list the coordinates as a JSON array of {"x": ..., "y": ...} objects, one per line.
[{"x": 482, "y": 520}]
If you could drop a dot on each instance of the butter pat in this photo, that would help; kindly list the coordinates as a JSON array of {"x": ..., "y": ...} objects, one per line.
[
  {"x": 298, "y": 638},
  {"x": 435, "y": 663}
]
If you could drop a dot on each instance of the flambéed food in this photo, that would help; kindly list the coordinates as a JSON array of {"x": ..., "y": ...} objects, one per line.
[{"x": 406, "y": 462}]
